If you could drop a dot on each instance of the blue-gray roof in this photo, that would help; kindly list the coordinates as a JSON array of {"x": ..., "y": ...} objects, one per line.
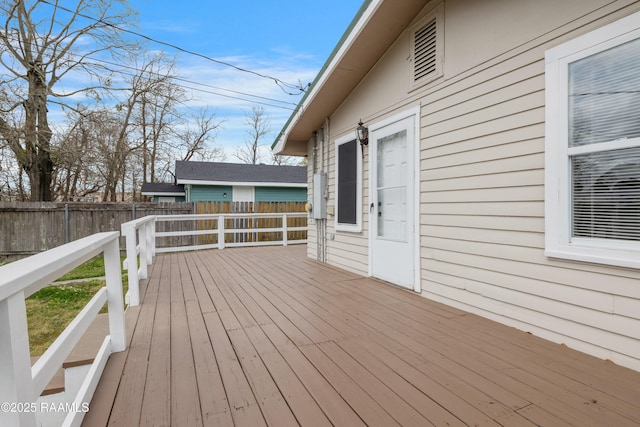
[
  {"x": 162, "y": 188},
  {"x": 239, "y": 173}
]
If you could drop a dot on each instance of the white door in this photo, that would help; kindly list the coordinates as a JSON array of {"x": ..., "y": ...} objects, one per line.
[
  {"x": 243, "y": 193},
  {"x": 391, "y": 209}
]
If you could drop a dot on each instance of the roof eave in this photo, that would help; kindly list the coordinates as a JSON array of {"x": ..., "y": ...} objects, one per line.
[
  {"x": 374, "y": 29},
  {"x": 243, "y": 183}
]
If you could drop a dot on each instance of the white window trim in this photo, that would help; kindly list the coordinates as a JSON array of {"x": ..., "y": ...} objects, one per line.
[
  {"x": 357, "y": 227},
  {"x": 558, "y": 240}
]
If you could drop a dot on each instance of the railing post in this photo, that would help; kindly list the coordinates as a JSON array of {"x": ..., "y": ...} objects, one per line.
[
  {"x": 114, "y": 295},
  {"x": 142, "y": 238},
  {"x": 221, "y": 232},
  {"x": 149, "y": 232},
  {"x": 15, "y": 362},
  {"x": 285, "y": 238},
  {"x": 132, "y": 263}
]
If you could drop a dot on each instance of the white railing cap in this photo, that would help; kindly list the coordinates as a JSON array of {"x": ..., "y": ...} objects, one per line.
[
  {"x": 136, "y": 222},
  {"x": 32, "y": 273},
  {"x": 229, "y": 215}
]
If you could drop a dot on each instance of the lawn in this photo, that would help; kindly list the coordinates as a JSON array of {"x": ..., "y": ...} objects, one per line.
[{"x": 52, "y": 308}]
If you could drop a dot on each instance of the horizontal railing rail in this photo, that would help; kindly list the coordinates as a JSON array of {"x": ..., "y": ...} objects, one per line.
[
  {"x": 20, "y": 383},
  {"x": 220, "y": 228}
]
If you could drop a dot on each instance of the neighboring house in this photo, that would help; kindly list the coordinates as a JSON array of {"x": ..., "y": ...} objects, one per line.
[
  {"x": 226, "y": 182},
  {"x": 502, "y": 171},
  {"x": 164, "y": 191}
]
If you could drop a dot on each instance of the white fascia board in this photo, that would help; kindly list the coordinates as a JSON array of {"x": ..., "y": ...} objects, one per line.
[
  {"x": 243, "y": 184},
  {"x": 151, "y": 193},
  {"x": 329, "y": 70}
]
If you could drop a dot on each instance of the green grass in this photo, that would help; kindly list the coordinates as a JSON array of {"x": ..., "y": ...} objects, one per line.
[
  {"x": 90, "y": 269},
  {"x": 52, "y": 308}
]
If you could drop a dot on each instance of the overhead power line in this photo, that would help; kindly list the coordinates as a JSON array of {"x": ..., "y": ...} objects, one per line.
[
  {"x": 282, "y": 84},
  {"x": 287, "y": 105}
]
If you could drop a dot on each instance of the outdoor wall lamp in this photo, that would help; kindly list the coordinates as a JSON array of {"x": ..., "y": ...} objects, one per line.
[{"x": 362, "y": 134}]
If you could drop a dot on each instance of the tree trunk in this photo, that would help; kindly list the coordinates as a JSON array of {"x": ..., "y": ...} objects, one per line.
[{"x": 37, "y": 162}]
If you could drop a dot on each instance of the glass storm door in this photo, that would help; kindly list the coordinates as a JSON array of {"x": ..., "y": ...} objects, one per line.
[{"x": 392, "y": 202}]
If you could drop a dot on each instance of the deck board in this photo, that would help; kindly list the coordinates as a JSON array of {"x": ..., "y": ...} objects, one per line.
[
  {"x": 367, "y": 408},
  {"x": 156, "y": 394},
  {"x": 185, "y": 402},
  {"x": 266, "y": 336},
  {"x": 213, "y": 400},
  {"x": 244, "y": 406}
]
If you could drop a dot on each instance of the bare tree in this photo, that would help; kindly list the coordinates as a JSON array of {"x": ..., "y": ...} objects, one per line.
[
  {"x": 196, "y": 137},
  {"x": 114, "y": 150},
  {"x": 157, "y": 113},
  {"x": 259, "y": 126},
  {"x": 41, "y": 44},
  {"x": 145, "y": 81},
  {"x": 74, "y": 155},
  {"x": 277, "y": 159},
  {"x": 11, "y": 177},
  {"x": 85, "y": 153}
]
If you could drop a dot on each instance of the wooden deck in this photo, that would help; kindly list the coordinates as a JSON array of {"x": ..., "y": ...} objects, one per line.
[{"x": 265, "y": 336}]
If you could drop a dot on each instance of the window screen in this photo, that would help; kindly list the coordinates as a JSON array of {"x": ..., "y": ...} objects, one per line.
[{"x": 347, "y": 182}]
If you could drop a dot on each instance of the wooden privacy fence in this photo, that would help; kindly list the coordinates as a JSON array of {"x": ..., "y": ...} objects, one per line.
[
  {"x": 252, "y": 223},
  {"x": 27, "y": 228}
]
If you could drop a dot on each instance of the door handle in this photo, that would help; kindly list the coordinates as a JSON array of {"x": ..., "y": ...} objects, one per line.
[{"x": 371, "y": 207}]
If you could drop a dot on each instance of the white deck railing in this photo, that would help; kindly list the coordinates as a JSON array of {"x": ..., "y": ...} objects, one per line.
[
  {"x": 141, "y": 238},
  {"x": 20, "y": 383}
]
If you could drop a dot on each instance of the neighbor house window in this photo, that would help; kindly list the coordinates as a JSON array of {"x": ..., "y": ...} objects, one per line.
[
  {"x": 593, "y": 146},
  {"x": 348, "y": 185}
]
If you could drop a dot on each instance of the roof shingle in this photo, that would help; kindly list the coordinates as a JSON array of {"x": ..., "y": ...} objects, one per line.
[
  {"x": 236, "y": 172},
  {"x": 162, "y": 187}
]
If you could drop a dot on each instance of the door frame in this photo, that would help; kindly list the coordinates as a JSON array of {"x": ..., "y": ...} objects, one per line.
[{"x": 415, "y": 113}]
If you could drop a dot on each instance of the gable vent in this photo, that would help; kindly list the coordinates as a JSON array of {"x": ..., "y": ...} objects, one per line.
[{"x": 425, "y": 52}]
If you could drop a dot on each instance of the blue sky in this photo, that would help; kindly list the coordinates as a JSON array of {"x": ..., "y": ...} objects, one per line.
[{"x": 287, "y": 39}]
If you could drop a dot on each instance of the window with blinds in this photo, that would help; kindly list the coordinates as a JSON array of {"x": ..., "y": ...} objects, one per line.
[
  {"x": 604, "y": 143},
  {"x": 592, "y": 146}
]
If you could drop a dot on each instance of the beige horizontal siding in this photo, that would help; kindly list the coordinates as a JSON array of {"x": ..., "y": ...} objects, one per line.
[
  {"x": 470, "y": 220},
  {"x": 521, "y": 261},
  {"x": 482, "y": 192},
  {"x": 495, "y": 209},
  {"x": 482, "y": 218},
  {"x": 506, "y": 236},
  {"x": 483, "y": 145},
  {"x": 592, "y": 339}
]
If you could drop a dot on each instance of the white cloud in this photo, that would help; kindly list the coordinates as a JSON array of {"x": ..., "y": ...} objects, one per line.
[{"x": 293, "y": 69}]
